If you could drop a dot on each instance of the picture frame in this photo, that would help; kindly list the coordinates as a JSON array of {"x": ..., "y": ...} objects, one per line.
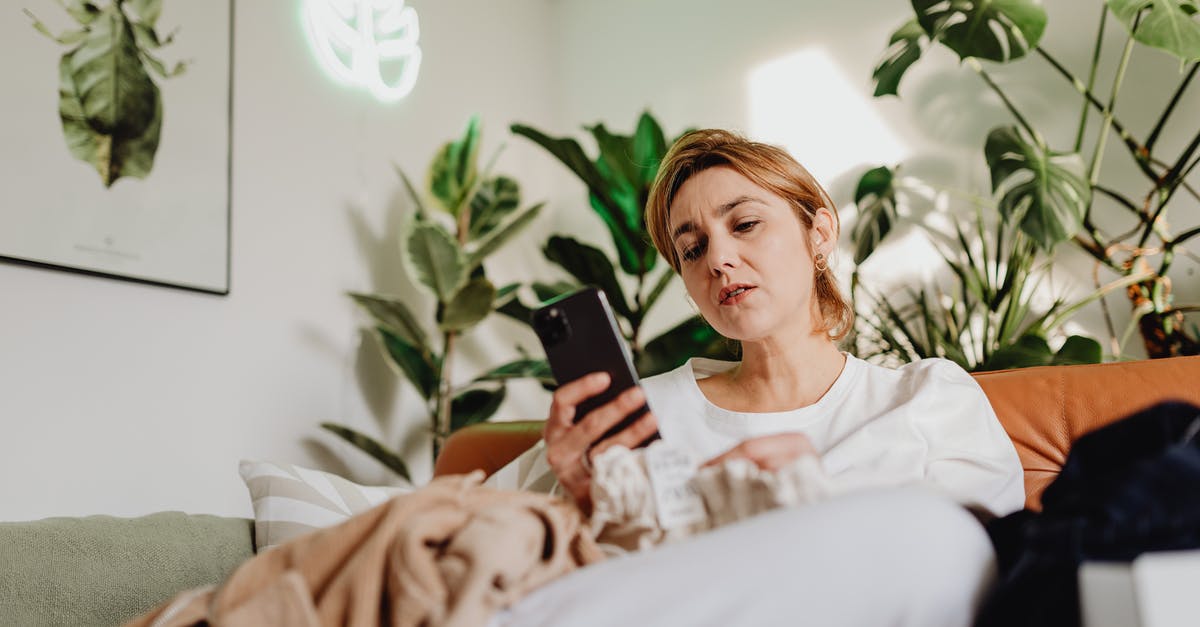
[{"x": 170, "y": 227}]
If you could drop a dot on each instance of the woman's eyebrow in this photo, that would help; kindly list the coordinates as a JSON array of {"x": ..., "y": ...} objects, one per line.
[{"x": 689, "y": 226}]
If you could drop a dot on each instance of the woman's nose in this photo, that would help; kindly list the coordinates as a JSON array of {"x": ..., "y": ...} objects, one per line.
[{"x": 722, "y": 255}]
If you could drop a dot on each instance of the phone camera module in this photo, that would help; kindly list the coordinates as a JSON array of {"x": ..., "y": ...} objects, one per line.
[{"x": 551, "y": 325}]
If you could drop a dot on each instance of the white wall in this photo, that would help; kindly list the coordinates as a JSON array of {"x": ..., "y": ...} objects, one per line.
[{"x": 124, "y": 399}]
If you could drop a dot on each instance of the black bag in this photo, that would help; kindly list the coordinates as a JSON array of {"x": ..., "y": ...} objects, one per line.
[{"x": 1125, "y": 489}]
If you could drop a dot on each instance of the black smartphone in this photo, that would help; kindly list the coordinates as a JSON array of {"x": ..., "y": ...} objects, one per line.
[{"x": 580, "y": 336}]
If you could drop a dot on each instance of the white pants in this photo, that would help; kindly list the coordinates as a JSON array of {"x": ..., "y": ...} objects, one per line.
[{"x": 883, "y": 557}]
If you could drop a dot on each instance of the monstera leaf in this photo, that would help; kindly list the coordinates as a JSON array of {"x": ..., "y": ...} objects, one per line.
[
  {"x": 1168, "y": 25},
  {"x": 1047, "y": 193},
  {"x": 876, "y": 200},
  {"x": 111, "y": 110},
  {"x": 904, "y": 48},
  {"x": 996, "y": 30}
]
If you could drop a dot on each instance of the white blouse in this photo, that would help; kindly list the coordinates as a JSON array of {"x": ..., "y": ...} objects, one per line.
[{"x": 925, "y": 422}]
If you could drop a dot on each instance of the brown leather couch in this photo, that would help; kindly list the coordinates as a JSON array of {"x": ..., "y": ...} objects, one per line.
[{"x": 1043, "y": 409}]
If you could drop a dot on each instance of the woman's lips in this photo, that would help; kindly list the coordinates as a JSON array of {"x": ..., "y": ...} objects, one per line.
[{"x": 737, "y": 298}]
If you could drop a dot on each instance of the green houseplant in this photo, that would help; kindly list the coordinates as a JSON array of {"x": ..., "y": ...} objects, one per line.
[
  {"x": 618, "y": 181},
  {"x": 110, "y": 106},
  {"x": 474, "y": 213},
  {"x": 984, "y": 317},
  {"x": 1051, "y": 194}
]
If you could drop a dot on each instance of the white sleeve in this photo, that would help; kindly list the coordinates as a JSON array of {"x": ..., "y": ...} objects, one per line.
[{"x": 970, "y": 456}]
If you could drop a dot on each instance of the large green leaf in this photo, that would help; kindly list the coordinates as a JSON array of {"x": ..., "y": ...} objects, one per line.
[
  {"x": 876, "y": 200},
  {"x": 509, "y": 304},
  {"x": 437, "y": 259},
  {"x": 1028, "y": 350},
  {"x": 111, "y": 110},
  {"x": 418, "y": 365},
  {"x": 589, "y": 266},
  {"x": 691, "y": 338},
  {"x": 996, "y": 30},
  {"x": 452, "y": 172},
  {"x": 649, "y": 147},
  {"x": 664, "y": 280},
  {"x": 631, "y": 244},
  {"x": 83, "y": 11},
  {"x": 1078, "y": 350},
  {"x": 474, "y": 406},
  {"x": 1168, "y": 25},
  {"x": 470, "y": 305},
  {"x": 904, "y": 48},
  {"x": 616, "y": 165},
  {"x": 520, "y": 369},
  {"x": 393, "y": 314},
  {"x": 499, "y": 236},
  {"x": 371, "y": 447},
  {"x": 495, "y": 199},
  {"x": 1047, "y": 193}
]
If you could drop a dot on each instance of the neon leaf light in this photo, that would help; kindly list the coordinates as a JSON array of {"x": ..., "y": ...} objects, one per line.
[{"x": 359, "y": 41}]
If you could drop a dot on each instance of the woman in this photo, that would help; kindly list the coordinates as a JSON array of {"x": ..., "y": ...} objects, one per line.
[{"x": 750, "y": 233}]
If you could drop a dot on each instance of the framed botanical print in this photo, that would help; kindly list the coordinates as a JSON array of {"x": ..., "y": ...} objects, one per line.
[{"x": 117, "y": 122}]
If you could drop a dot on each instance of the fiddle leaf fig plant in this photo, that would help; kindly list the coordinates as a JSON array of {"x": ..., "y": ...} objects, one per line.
[
  {"x": 1052, "y": 194},
  {"x": 477, "y": 214},
  {"x": 110, "y": 106},
  {"x": 618, "y": 181}
]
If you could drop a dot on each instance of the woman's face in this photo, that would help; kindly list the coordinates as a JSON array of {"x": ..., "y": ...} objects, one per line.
[{"x": 745, "y": 257}]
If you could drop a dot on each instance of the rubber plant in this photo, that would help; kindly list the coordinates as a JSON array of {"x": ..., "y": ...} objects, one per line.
[
  {"x": 444, "y": 248},
  {"x": 110, "y": 106},
  {"x": 1051, "y": 193},
  {"x": 618, "y": 181},
  {"x": 984, "y": 316}
]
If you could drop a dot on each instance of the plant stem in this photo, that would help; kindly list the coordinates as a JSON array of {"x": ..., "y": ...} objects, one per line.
[
  {"x": 975, "y": 65},
  {"x": 441, "y": 420},
  {"x": 1122, "y": 200},
  {"x": 1098, "y": 155},
  {"x": 1083, "y": 115},
  {"x": 1135, "y": 147},
  {"x": 1162, "y": 119},
  {"x": 1172, "y": 179},
  {"x": 1182, "y": 237}
]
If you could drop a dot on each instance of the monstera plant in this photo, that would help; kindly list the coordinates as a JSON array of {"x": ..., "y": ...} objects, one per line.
[
  {"x": 110, "y": 107},
  {"x": 618, "y": 182},
  {"x": 1051, "y": 193},
  {"x": 474, "y": 213}
]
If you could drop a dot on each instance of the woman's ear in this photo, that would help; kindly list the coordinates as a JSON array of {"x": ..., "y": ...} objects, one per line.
[{"x": 824, "y": 231}]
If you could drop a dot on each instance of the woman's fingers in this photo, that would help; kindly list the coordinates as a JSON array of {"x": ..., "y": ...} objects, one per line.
[
  {"x": 567, "y": 397},
  {"x": 630, "y": 437}
]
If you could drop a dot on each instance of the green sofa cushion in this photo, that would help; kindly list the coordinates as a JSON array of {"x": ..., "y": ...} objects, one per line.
[{"x": 102, "y": 570}]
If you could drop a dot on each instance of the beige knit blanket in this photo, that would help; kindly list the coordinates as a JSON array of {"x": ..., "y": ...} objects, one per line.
[{"x": 449, "y": 554}]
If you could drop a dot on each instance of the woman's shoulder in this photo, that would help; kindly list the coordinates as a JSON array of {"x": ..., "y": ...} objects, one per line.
[{"x": 923, "y": 373}]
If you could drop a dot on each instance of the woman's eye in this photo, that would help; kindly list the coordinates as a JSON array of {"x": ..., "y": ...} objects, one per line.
[
  {"x": 742, "y": 227},
  {"x": 691, "y": 253}
]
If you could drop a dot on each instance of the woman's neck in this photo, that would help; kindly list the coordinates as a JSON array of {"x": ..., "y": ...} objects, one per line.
[{"x": 774, "y": 377}]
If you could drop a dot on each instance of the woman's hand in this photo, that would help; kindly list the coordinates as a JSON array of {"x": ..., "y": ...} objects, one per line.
[
  {"x": 769, "y": 452},
  {"x": 569, "y": 442}
]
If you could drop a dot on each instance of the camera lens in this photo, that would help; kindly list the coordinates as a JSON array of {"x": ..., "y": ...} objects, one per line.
[{"x": 551, "y": 326}]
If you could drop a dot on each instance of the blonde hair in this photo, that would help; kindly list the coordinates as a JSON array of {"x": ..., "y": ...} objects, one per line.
[{"x": 769, "y": 167}]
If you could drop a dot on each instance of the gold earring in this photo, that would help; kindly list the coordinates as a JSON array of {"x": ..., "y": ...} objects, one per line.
[{"x": 819, "y": 262}]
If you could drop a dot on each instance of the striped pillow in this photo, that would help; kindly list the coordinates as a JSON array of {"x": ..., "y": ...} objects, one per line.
[{"x": 290, "y": 501}]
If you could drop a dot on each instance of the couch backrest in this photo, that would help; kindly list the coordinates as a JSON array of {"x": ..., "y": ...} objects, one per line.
[
  {"x": 101, "y": 570},
  {"x": 1043, "y": 409},
  {"x": 1046, "y": 409}
]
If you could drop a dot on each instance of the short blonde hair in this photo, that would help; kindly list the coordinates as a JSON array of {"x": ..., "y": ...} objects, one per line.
[{"x": 769, "y": 167}]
